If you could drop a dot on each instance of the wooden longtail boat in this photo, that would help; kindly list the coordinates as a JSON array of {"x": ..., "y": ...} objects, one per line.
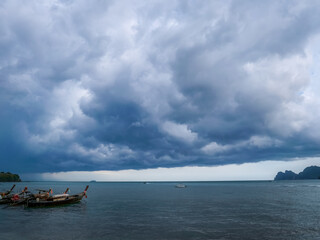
[
  {"x": 57, "y": 201},
  {"x": 63, "y": 195},
  {"x": 19, "y": 198},
  {"x": 2, "y": 194},
  {"x": 42, "y": 194},
  {"x": 25, "y": 195},
  {"x": 5, "y": 197}
]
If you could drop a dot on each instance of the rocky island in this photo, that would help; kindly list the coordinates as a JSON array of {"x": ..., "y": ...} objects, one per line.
[
  {"x": 312, "y": 172},
  {"x": 9, "y": 177}
]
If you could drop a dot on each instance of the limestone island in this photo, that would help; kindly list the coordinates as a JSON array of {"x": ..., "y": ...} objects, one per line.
[
  {"x": 312, "y": 172},
  {"x": 9, "y": 177}
]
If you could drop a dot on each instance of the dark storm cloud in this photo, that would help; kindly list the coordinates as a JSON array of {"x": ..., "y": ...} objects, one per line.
[{"x": 128, "y": 84}]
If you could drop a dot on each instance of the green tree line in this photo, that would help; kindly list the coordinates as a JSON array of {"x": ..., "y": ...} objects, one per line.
[{"x": 9, "y": 177}]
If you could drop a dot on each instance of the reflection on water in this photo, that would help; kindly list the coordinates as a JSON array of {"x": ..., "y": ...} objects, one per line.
[{"x": 217, "y": 210}]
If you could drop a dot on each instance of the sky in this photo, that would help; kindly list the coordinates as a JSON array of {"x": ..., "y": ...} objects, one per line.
[{"x": 152, "y": 87}]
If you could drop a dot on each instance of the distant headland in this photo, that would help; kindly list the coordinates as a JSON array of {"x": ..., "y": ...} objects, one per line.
[
  {"x": 312, "y": 172},
  {"x": 9, "y": 177}
]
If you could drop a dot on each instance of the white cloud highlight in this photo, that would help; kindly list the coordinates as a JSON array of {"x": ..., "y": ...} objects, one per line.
[{"x": 179, "y": 131}]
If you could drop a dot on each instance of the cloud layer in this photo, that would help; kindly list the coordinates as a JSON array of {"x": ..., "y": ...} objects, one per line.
[{"x": 109, "y": 85}]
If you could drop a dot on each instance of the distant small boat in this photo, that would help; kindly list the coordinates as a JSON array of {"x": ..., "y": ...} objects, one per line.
[{"x": 180, "y": 186}]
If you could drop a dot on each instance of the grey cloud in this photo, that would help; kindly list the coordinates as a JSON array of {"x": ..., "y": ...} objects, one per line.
[{"x": 128, "y": 84}]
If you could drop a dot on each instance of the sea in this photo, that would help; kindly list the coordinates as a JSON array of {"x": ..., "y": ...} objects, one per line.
[{"x": 202, "y": 210}]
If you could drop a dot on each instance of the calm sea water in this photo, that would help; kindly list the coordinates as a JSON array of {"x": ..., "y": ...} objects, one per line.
[{"x": 211, "y": 210}]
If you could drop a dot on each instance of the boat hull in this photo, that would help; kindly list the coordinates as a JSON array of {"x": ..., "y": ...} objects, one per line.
[
  {"x": 5, "y": 201},
  {"x": 54, "y": 202}
]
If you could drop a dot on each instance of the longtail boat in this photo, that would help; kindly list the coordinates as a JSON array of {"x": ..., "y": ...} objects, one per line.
[
  {"x": 63, "y": 195},
  {"x": 42, "y": 194},
  {"x": 57, "y": 200},
  {"x": 19, "y": 198},
  {"x": 5, "y": 197},
  {"x": 2, "y": 194}
]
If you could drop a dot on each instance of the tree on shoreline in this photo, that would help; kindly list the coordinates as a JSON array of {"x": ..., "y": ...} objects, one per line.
[{"x": 9, "y": 177}]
